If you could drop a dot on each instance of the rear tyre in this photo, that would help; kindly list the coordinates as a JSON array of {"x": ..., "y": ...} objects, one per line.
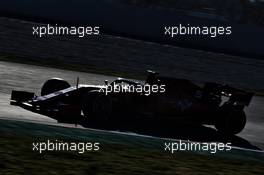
[
  {"x": 231, "y": 120},
  {"x": 96, "y": 106},
  {"x": 54, "y": 85}
]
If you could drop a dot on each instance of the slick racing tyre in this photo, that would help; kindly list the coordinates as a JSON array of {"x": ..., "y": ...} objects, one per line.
[
  {"x": 96, "y": 106},
  {"x": 54, "y": 85},
  {"x": 231, "y": 120}
]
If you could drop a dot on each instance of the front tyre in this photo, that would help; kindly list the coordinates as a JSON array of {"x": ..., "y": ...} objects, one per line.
[
  {"x": 96, "y": 106},
  {"x": 54, "y": 85},
  {"x": 231, "y": 120}
]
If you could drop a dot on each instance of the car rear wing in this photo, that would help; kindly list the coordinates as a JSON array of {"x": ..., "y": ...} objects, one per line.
[{"x": 235, "y": 95}]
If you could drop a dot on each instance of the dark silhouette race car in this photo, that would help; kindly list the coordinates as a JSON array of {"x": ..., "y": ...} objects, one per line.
[{"x": 157, "y": 99}]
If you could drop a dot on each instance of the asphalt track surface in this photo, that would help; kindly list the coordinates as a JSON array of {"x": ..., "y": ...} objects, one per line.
[
  {"x": 111, "y": 54},
  {"x": 30, "y": 78}
]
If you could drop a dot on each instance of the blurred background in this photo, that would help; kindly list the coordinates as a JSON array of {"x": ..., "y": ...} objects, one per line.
[{"x": 242, "y": 11}]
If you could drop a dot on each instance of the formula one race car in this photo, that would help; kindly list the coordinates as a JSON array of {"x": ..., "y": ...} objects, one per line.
[{"x": 159, "y": 98}]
